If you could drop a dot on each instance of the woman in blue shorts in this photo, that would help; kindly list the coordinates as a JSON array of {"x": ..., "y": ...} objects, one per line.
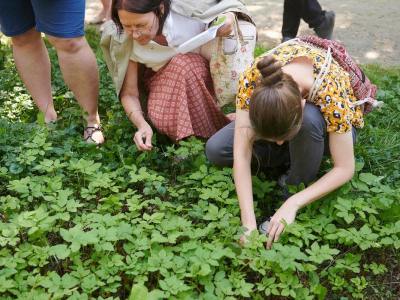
[{"x": 63, "y": 23}]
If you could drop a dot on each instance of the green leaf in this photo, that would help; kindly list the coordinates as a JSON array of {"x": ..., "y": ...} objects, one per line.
[
  {"x": 40, "y": 118},
  {"x": 173, "y": 285},
  {"x": 219, "y": 20},
  {"x": 138, "y": 292},
  {"x": 61, "y": 251},
  {"x": 69, "y": 281},
  {"x": 369, "y": 178}
]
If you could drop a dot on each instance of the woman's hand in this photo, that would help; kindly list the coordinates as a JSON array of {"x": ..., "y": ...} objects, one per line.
[
  {"x": 284, "y": 215},
  {"x": 227, "y": 28},
  {"x": 142, "y": 137},
  {"x": 341, "y": 148},
  {"x": 131, "y": 103}
]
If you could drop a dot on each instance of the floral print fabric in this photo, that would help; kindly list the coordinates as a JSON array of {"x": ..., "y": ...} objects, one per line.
[{"x": 335, "y": 97}]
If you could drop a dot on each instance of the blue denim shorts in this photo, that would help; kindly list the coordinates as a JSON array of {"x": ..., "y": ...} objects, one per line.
[{"x": 59, "y": 18}]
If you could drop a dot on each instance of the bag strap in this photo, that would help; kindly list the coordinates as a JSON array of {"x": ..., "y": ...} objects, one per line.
[
  {"x": 321, "y": 75},
  {"x": 236, "y": 33},
  {"x": 341, "y": 56}
]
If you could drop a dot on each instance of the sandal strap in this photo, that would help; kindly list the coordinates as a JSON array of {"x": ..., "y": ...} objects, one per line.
[
  {"x": 95, "y": 127},
  {"x": 89, "y": 130}
]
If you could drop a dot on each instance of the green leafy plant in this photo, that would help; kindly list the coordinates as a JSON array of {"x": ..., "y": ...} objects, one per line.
[{"x": 80, "y": 222}]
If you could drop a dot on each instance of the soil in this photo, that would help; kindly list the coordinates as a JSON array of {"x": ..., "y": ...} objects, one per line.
[{"x": 370, "y": 29}]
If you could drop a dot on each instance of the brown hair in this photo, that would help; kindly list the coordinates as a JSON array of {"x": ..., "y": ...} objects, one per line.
[
  {"x": 275, "y": 109},
  {"x": 140, "y": 7}
]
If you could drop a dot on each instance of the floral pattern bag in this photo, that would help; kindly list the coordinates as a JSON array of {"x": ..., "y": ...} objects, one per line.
[{"x": 233, "y": 54}]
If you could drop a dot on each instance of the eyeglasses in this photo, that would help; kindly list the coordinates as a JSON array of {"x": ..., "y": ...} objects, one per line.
[{"x": 141, "y": 30}]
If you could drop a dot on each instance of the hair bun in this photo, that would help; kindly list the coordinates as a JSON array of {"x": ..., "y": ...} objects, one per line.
[{"x": 271, "y": 70}]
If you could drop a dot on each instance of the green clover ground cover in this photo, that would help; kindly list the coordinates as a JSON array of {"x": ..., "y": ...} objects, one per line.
[{"x": 80, "y": 222}]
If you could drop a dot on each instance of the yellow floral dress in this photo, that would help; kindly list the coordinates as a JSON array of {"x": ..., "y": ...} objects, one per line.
[{"x": 334, "y": 97}]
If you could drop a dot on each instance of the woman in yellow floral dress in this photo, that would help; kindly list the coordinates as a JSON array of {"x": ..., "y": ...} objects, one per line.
[{"x": 294, "y": 104}]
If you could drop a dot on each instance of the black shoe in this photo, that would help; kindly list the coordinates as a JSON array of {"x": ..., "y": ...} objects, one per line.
[
  {"x": 325, "y": 29},
  {"x": 264, "y": 227},
  {"x": 285, "y": 189},
  {"x": 286, "y": 38}
]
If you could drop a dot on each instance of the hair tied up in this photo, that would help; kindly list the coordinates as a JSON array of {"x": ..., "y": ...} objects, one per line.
[{"x": 271, "y": 70}]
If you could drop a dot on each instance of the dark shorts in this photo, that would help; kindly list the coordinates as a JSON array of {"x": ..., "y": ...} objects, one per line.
[{"x": 59, "y": 18}]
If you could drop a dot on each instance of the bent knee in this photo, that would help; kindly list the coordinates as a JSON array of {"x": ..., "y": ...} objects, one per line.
[
  {"x": 218, "y": 153},
  {"x": 27, "y": 38},
  {"x": 70, "y": 45},
  {"x": 213, "y": 150},
  {"x": 187, "y": 63}
]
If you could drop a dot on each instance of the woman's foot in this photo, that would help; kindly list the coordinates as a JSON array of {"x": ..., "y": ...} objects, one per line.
[
  {"x": 50, "y": 116},
  {"x": 325, "y": 29},
  {"x": 93, "y": 134}
]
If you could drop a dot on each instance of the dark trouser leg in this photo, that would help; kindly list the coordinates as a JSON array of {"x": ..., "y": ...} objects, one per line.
[
  {"x": 307, "y": 147},
  {"x": 291, "y": 17},
  {"x": 219, "y": 147},
  {"x": 219, "y": 150},
  {"x": 312, "y": 13}
]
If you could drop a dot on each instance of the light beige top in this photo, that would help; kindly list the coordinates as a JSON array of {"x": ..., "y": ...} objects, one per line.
[
  {"x": 117, "y": 48},
  {"x": 177, "y": 30}
]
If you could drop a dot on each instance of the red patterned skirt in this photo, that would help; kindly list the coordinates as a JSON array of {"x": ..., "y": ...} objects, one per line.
[{"x": 181, "y": 101}]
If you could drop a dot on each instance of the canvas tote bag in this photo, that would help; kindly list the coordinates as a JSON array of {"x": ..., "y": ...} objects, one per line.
[{"x": 231, "y": 56}]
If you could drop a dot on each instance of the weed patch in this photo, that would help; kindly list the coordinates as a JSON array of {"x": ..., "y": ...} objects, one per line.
[{"x": 80, "y": 222}]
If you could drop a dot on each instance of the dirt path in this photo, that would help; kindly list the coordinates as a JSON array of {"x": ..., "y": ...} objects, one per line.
[{"x": 370, "y": 29}]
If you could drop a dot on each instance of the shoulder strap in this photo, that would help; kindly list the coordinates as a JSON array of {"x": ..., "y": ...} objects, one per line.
[
  {"x": 321, "y": 75},
  {"x": 363, "y": 89}
]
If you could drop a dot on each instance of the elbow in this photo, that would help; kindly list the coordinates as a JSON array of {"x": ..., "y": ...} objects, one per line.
[
  {"x": 350, "y": 175},
  {"x": 126, "y": 100},
  {"x": 238, "y": 162},
  {"x": 348, "y": 171},
  {"x": 128, "y": 95},
  {"x": 352, "y": 169},
  {"x": 123, "y": 98}
]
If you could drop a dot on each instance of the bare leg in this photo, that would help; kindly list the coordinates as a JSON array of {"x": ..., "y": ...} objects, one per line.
[
  {"x": 79, "y": 68},
  {"x": 104, "y": 14},
  {"x": 106, "y": 9},
  {"x": 33, "y": 65}
]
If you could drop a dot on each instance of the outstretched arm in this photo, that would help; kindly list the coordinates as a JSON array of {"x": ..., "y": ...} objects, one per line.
[
  {"x": 341, "y": 147},
  {"x": 242, "y": 152}
]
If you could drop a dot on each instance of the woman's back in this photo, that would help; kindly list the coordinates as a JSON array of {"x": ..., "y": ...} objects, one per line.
[{"x": 334, "y": 97}]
